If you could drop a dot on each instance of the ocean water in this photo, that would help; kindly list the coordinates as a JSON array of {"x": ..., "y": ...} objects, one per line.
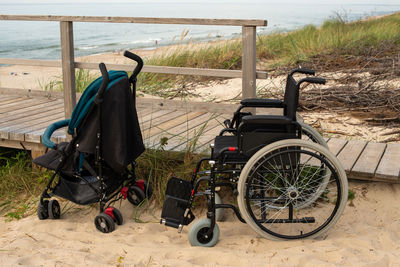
[{"x": 41, "y": 40}]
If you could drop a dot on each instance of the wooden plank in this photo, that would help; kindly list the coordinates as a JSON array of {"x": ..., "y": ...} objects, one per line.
[
  {"x": 200, "y": 135},
  {"x": 174, "y": 70},
  {"x": 22, "y": 111},
  {"x": 249, "y": 62},
  {"x": 30, "y": 92},
  {"x": 17, "y": 145},
  {"x": 336, "y": 145},
  {"x": 17, "y": 132},
  {"x": 350, "y": 153},
  {"x": 149, "y": 20},
  {"x": 389, "y": 166},
  {"x": 156, "y": 117},
  {"x": 6, "y": 100},
  {"x": 36, "y": 113},
  {"x": 368, "y": 161},
  {"x": 68, "y": 69},
  {"x": 178, "y": 131},
  {"x": 27, "y": 102},
  {"x": 14, "y": 102},
  {"x": 157, "y": 127},
  {"x": 185, "y": 105}
]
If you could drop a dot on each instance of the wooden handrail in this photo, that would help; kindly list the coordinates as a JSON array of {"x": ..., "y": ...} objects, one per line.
[
  {"x": 147, "y": 68},
  {"x": 187, "y": 21}
]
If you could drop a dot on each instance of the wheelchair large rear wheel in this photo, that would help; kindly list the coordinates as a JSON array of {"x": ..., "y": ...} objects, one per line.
[
  {"x": 280, "y": 194},
  {"x": 309, "y": 133}
]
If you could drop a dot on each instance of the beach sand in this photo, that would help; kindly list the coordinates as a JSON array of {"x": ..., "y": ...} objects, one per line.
[{"x": 367, "y": 234}]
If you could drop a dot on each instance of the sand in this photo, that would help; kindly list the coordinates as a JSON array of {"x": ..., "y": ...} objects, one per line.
[{"x": 367, "y": 234}]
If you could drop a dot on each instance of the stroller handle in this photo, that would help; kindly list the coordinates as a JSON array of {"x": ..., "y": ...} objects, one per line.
[
  {"x": 104, "y": 84},
  {"x": 138, "y": 60}
]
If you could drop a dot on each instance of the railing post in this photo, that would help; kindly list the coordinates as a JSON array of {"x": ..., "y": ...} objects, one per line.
[
  {"x": 68, "y": 68},
  {"x": 248, "y": 62}
]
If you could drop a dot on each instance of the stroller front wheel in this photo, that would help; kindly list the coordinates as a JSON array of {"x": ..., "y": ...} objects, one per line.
[{"x": 104, "y": 223}]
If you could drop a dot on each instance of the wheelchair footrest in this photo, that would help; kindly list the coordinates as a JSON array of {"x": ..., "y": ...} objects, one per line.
[{"x": 176, "y": 208}]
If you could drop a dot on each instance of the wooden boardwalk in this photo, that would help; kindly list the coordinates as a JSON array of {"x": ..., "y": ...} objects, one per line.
[{"x": 184, "y": 126}]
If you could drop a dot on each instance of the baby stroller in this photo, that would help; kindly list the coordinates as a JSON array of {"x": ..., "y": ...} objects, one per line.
[
  {"x": 287, "y": 183},
  {"x": 98, "y": 164}
]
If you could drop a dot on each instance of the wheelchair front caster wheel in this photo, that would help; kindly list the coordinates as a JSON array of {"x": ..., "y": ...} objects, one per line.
[
  {"x": 104, "y": 223},
  {"x": 198, "y": 234},
  {"x": 54, "y": 209},
  {"x": 42, "y": 210},
  {"x": 135, "y": 195}
]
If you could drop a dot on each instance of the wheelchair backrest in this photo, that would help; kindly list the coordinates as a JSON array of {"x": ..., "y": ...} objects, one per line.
[
  {"x": 291, "y": 98},
  {"x": 257, "y": 131}
]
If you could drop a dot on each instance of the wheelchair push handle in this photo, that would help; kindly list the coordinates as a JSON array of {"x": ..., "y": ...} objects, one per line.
[
  {"x": 104, "y": 84},
  {"x": 303, "y": 71},
  {"x": 316, "y": 80},
  {"x": 138, "y": 60}
]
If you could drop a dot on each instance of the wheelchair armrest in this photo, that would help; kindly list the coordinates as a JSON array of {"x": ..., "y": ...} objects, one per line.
[
  {"x": 262, "y": 103},
  {"x": 227, "y": 130},
  {"x": 50, "y": 130}
]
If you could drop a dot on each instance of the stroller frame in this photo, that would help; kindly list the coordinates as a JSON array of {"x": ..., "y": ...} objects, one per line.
[
  {"x": 128, "y": 187},
  {"x": 232, "y": 163}
]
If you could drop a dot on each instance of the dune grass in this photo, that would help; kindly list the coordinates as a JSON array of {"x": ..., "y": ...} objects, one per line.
[{"x": 20, "y": 185}]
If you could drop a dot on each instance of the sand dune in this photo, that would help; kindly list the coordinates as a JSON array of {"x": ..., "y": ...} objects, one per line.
[{"x": 367, "y": 234}]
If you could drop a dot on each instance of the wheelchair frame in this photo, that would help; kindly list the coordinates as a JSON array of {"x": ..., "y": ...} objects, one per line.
[{"x": 220, "y": 165}]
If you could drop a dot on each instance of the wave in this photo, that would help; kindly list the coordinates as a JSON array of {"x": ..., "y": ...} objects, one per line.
[{"x": 87, "y": 47}]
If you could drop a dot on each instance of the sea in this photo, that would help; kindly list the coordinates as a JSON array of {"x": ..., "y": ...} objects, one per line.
[{"x": 41, "y": 40}]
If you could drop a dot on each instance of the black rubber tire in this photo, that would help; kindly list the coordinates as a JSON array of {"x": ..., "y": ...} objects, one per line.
[
  {"x": 54, "y": 209},
  {"x": 196, "y": 233},
  {"x": 42, "y": 210},
  {"x": 135, "y": 195},
  {"x": 118, "y": 218},
  {"x": 104, "y": 223}
]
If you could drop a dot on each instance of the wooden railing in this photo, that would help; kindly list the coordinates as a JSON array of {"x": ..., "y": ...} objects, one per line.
[{"x": 249, "y": 74}]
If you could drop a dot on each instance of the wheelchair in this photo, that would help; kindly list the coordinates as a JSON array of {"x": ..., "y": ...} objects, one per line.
[{"x": 287, "y": 183}]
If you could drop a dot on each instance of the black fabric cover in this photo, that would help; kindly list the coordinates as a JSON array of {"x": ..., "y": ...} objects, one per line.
[
  {"x": 121, "y": 138},
  {"x": 52, "y": 158}
]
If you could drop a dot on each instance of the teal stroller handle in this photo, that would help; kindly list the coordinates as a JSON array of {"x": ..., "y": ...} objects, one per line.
[{"x": 50, "y": 130}]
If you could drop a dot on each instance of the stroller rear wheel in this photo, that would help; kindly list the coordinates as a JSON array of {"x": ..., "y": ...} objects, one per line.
[
  {"x": 292, "y": 189},
  {"x": 104, "y": 223},
  {"x": 135, "y": 195},
  {"x": 54, "y": 209}
]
